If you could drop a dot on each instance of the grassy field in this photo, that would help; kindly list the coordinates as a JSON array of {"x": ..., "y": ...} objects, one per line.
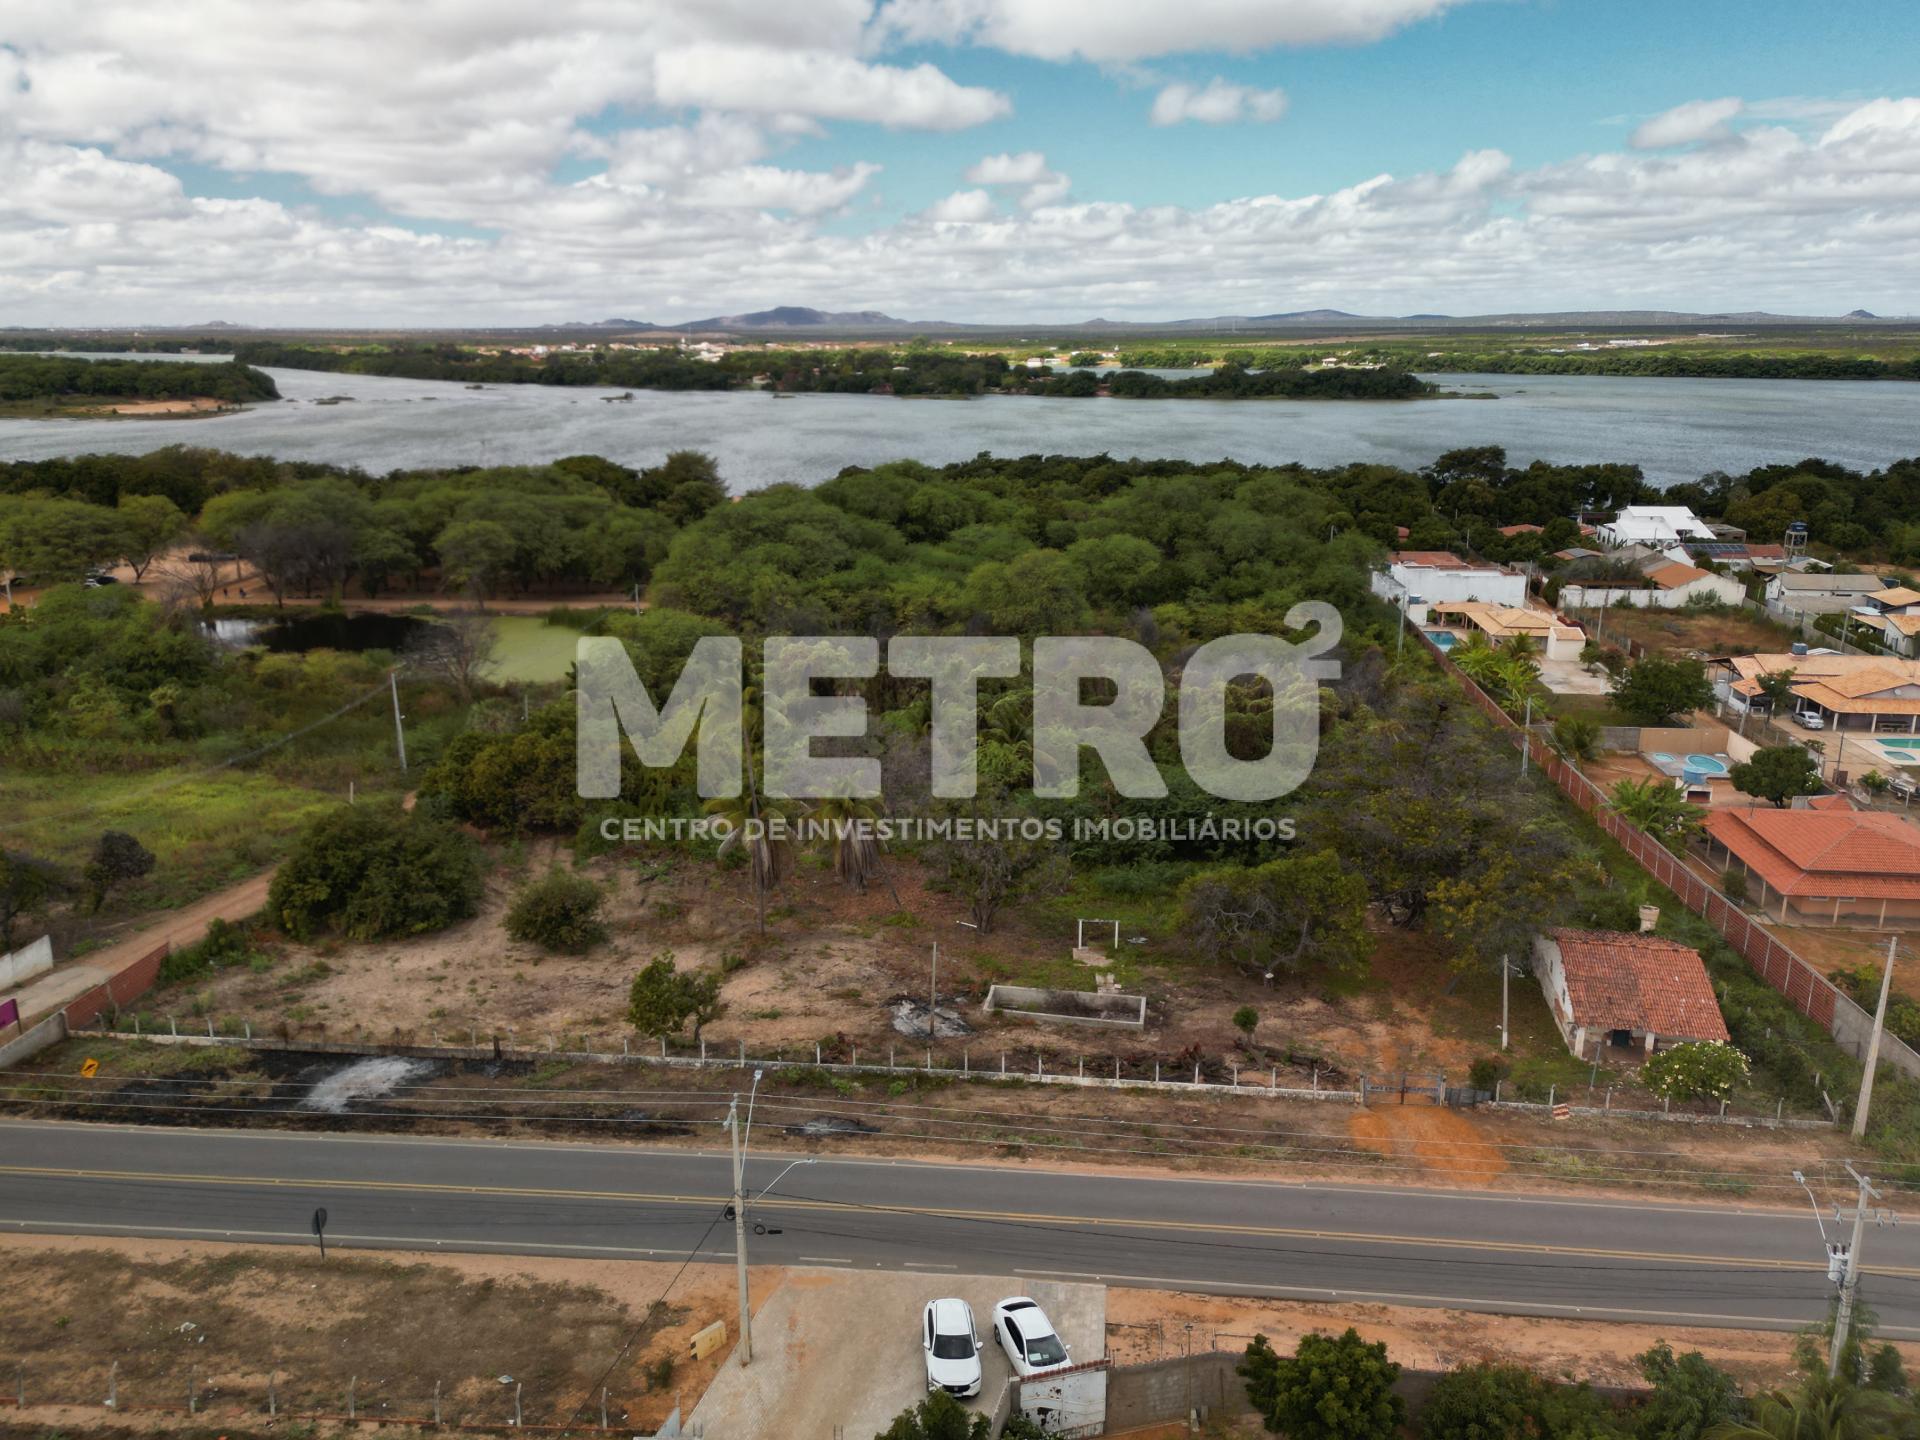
[{"x": 205, "y": 831}]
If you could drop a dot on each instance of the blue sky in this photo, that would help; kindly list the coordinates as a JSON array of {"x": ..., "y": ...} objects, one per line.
[{"x": 350, "y": 158}]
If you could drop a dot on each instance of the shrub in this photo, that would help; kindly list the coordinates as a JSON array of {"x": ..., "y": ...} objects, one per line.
[
  {"x": 1696, "y": 1068},
  {"x": 1488, "y": 1071},
  {"x": 1476, "y": 1402},
  {"x": 223, "y": 946},
  {"x": 1246, "y": 1020},
  {"x": 1733, "y": 884},
  {"x": 1576, "y": 736},
  {"x": 366, "y": 872},
  {"x": 560, "y": 912},
  {"x": 1330, "y": 1388}
]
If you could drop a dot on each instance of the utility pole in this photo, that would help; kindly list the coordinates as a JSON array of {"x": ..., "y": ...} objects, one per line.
[
  {"x": 1506, "y": 970},
  {"x": 741, "y": 1133},
  {"x": 1873, "y": 1046},
  {"x": 399, "y": 735},
  {"x": 740, "y": 1234},
  {"x": 1850, "y": 1285},
  {"x": 1526, "y": 730}
]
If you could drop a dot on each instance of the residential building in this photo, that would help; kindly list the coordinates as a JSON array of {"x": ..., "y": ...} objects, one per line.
[
  {"x": 1427, "y": 577},
  {"x": 1556, "y": 639},
  {"x": 1654, "y": 525},
  {"x": 1665, "y": 582},
  {"x": 1827, "y": 866},
  {"x": 1623, "y": 996},
  {"x": 1869, "y": 693},
  {"x": 1680, "y": 585},
  {"x": 1828, "y": 594}
]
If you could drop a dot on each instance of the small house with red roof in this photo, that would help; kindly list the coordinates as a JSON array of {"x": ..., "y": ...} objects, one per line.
[
  {"x": 1622, "y": 996},
  {"x": 1836, "y": 866}
]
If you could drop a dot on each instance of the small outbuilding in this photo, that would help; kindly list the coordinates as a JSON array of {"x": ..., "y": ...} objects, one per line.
[{"x": 1622, "y": 996}]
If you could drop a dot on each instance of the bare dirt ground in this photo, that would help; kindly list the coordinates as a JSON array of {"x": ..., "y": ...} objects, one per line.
[
  {"x": 229, "y": 1318},
  {"x": 829, "y": 970},
  {"x": 1151, "y": 1325}
]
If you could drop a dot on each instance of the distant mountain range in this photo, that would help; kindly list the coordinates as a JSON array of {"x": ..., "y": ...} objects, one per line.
[
  {"x": 795, "y": 320},
  {"x": 791, "y": 318}
]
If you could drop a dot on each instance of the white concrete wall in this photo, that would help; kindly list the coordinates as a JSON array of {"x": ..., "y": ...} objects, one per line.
[
  {"x": 1553, "y": 984},
  {"x": 1490, "y": 587},
  {"x": 19, "y": 966}
]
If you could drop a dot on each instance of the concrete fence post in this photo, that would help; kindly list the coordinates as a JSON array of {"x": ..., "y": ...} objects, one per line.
[
  {"x": 352, "y": 1403},
  {"x": 663, "y": 1047},
  {"x": 1273, "y": 1078},
  {"x": 273, "y": 1392},
  {"x": 209, "y": 1027},
  {"x": 518, "y": 1385},
  {"x": 603, "y": 1407},
  {"x": 436, "y": 1402},
  {"x": 1196, "y": 1072},
  {"x": 816, "y": 1052},
  {"x": 20, "y": 1387},
  {"x": 624, "y": 1051}
]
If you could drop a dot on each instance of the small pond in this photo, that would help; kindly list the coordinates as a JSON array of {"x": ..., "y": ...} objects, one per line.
[{"x": 326, "y": 630}]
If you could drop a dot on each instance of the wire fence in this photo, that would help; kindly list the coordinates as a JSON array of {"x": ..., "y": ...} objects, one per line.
[{"x": 469, "y": 1404}]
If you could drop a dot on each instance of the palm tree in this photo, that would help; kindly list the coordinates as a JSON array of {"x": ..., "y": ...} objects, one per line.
[
  {"x": 846, "y": 830},
  {"x": 757, "y": 824},
  {"x": 1657, "y": 807},
  {"x": 1821, "y": 1409},
  {"x": 758, "y": 827}
]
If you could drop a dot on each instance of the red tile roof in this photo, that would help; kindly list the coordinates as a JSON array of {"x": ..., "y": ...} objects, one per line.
[
  {"x": 1852, "y": 855},
  {"x": 1620, "y": 981}
]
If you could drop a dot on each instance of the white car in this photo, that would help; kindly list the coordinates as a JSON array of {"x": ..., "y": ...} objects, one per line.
[
  {"x": 952, "y": 1347},
  {"x": 1811, "y": 720},
  {"x": 1032, "y": 1345}
]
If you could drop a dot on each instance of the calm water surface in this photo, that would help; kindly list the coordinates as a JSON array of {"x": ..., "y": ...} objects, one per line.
[{"x": 1674, "y": 429}]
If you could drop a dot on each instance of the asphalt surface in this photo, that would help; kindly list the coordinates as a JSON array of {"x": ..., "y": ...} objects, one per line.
[{"x": 1624, "y": 1260}]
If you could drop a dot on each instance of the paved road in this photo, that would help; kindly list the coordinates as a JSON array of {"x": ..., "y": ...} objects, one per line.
[{"x": 1704, "y": 1264}]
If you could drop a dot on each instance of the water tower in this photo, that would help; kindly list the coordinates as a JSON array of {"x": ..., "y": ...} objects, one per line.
[{"x": 1795, "y": 541}]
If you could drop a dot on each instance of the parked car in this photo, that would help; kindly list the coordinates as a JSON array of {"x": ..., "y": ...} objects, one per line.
[
  {"x": 1033, "y": 1346},
  {"x": 951, "y": 1343},
  {"x": 98, "y": 579},
  {"x": 1811, "y": 720}
]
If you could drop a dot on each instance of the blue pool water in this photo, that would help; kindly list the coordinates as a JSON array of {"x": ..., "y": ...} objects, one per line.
[
  {"x": 1444, "y": 639},
  {"x": 1707, "y": 764},
  {"x": 1910, "y": 744}
]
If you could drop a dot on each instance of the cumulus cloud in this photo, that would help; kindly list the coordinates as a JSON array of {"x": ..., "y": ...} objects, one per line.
[
  {"x": 1129, "y": 30},
  {"x": 1686, "y": 124},
  {"x": 1218, "y": 102},
  {"x": 964, "y": 207},
  {"x": 1028, "y": 172},
  {"x": 819, "y": 83},
  {"x": 501, "y": 165}
]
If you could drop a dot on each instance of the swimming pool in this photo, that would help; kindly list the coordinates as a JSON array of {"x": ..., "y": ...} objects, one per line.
[
  {"x": 1707, "y": 764},
  {"x": 1443, "y": 639},
  {"x": 1899, "y": 744}
]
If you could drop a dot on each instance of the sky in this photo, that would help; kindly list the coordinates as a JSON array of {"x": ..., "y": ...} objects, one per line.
[{"x": 495, "y": 162}]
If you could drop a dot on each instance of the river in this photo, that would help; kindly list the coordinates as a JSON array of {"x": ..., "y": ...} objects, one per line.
[{"x": 1674, "y": 429}]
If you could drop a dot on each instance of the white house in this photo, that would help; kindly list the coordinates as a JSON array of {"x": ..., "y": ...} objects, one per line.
[
  {"x": 1429, "y": 577},
  {"x": 1821, "y": 594},
  {"x": 1654, "y": 525}
]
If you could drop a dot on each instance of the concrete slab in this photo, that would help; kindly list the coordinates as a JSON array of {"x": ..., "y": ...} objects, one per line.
[{"x": 841, "y": 1348}]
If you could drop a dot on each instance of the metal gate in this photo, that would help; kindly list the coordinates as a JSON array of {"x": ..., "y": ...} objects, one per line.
[{"x": 1402, "y": 1087}]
